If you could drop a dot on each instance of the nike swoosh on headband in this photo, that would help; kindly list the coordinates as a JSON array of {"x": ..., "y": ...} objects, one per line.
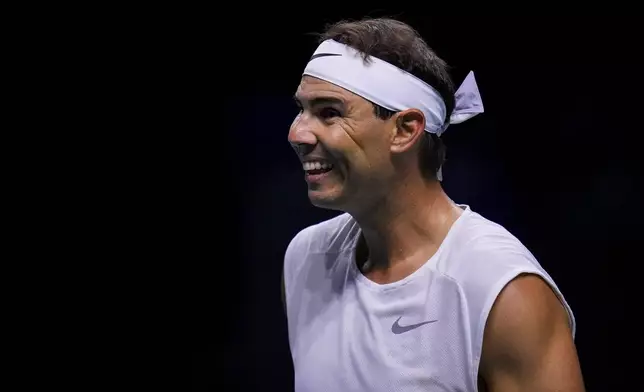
[{"x": 324, "y": 55}]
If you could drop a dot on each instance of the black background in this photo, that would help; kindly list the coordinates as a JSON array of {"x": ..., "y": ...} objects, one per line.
[{"x": 553, "y": 159}]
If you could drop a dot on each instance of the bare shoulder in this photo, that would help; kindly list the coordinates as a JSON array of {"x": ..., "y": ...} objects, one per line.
[{"x": 528, "y": 343}]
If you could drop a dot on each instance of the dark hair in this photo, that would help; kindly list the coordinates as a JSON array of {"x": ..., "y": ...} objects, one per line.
[{"x": 399, "y": 44}]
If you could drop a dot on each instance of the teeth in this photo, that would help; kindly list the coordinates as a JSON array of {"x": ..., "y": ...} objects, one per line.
[{"x": 317, "y": 165}]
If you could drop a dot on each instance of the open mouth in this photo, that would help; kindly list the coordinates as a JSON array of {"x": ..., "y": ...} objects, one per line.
[{"x": 317, "y": 167}]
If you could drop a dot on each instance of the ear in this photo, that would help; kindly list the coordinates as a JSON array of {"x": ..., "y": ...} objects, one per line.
[{"x": 409, "y": 127}]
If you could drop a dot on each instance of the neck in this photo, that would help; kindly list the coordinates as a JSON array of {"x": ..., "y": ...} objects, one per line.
[{"x": 405, "y": 228}]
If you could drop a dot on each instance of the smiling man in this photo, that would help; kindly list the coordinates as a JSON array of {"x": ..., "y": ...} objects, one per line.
[{"x": 407, "y": 290}]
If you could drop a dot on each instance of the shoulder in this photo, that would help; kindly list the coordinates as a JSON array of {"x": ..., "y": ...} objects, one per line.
[
  {"x": 327, "y": 237},
  {"x": 526, "y": 303},
  {"x": 481, "y": 253},
  {"x": 330, "y": 236},
  {"x": 485, "y": 259},
  {"x": 528, "y": 342},
  {"x": 323, "y": 236}
]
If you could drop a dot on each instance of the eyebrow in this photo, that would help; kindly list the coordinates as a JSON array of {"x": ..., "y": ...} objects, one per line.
[{"x": 321, "y": 101}]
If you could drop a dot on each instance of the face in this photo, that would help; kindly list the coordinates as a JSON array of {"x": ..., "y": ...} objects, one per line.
[{"x": 343, "y": 146}]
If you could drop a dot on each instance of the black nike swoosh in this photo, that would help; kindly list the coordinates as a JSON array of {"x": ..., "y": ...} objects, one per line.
[
  {"x": 324, "y": 55},
  {"x": 398, "y": 329}
]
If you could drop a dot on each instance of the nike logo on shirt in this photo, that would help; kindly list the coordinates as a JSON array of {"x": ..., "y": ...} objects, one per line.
[{"x": 397, "y": 329}]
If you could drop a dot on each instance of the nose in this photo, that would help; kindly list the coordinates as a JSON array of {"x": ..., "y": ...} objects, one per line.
[{"x": 300, "y": 136}]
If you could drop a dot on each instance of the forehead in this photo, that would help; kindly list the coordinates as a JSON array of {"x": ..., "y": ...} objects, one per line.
[{"x": 312, "y": 88}]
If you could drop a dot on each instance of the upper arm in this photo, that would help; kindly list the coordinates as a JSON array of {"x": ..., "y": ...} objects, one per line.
[{"x": 528, "y": 343}]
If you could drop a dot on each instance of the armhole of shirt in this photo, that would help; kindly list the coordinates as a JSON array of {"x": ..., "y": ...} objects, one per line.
[{"x": 491, "y": 299}]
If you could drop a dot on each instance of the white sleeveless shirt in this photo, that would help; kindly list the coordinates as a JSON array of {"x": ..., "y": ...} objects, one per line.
[{"x": 422, "y": 333}]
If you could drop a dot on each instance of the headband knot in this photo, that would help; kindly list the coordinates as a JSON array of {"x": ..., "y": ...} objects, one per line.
[{"x": 468, "y": 102}]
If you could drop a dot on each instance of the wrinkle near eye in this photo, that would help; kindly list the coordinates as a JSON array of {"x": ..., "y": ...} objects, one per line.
[{"x": 350, "y": 131}]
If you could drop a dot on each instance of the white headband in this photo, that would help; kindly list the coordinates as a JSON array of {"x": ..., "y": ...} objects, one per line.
[{"x": 390, "y": 87}]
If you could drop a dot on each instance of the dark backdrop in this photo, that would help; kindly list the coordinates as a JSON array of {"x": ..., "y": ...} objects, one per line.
[{"x": 553, "y": 159}]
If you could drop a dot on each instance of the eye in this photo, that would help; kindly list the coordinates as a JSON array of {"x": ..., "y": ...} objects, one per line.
[{"x": 328, "y": 113}]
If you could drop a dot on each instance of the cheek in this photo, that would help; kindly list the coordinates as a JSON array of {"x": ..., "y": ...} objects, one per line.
[
  {"x": 356, "y": 145},
  {"x": 372, "y": 145},
  {"x": 336, "y": 141}
]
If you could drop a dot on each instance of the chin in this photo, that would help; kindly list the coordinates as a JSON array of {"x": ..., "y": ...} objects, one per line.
[{"x": 326, "y": 200}]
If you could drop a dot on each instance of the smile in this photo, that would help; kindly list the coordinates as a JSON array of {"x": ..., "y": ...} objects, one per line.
[{"x": 316, "y": 167}]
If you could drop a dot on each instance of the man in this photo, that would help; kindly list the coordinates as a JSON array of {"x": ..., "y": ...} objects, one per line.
[{"x": 407, "y": 290}]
